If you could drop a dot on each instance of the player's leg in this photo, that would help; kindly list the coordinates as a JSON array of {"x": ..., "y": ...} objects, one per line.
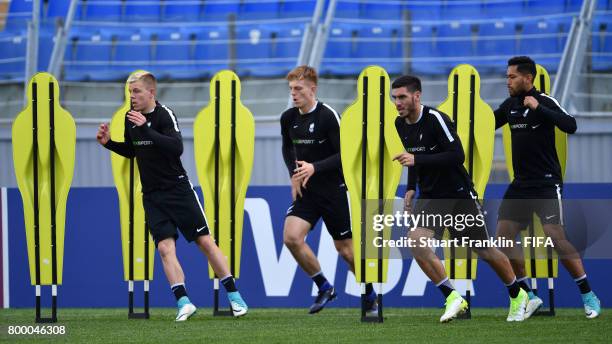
[
  {"x": 219, "y": 265},
  {"x": 514, "y": 214},
  {"x": 434, "y": 269},
  {"x": 335, "y": 210},
  {"x": 163, "y": 231},
  {"x": 573, "y": 263},
  {"x": 176, "y": 278},
  {"x": 189, "y": 215},
  {"x": 294, "y": 237}
]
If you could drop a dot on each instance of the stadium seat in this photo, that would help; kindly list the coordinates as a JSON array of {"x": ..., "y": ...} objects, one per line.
[
  {"x": 504, "y": 9},
  {"x": 496, "y": 43},
  {"x": 220, "y": 9},
  {"x": 381, "y": 45},
  {"x": 341, "y": 47},
  {"x": 456, "y": 43},
  {"x": 601, "y": 39},
  {"x": 451, "y": 10},
  {"x": 541, "y": 37},
  {"x": 381, "y": 10},
  {"x": 177, "y": 10},
  {"x": 102, "y": 10},
  {"x": 60, "y": 9},
  {"x": 286, "y": 43},
  {"x": 132, "y": 50},
  {"x": 253, "y": 49},
  {"x": 150, "y": 11},
  {"x": 88, "y": 55},
  {"x": 423, "y": 11},
  {"x": 345, "y": 9},
  {"x": 171, "y": 54},
  {"x": 297, "y": 8},
  {"x": 45, "y": 48},
  {"x": 545, "y": 7},
  {"x": 258, "y": 10},
  {"x": 423, "y": 47},
  {"x": 211, "y": 49},
  {"x": 14, "y": 44}
]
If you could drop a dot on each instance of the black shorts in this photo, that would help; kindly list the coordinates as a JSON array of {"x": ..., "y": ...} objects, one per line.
[
  {"x": 522, "y": 201},
  {"x": 179, "y": 206},
  {"x": 331, "y": 204},
  {"x": 462, "y": 215}
]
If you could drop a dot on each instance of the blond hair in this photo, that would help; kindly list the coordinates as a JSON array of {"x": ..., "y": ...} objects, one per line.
[
  {"x": 145, "y": 77},
  {"x": 303, "y": 73}
]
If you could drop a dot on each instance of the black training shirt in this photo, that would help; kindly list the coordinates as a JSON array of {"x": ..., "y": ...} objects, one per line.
[{"x": 157, "y": 146}]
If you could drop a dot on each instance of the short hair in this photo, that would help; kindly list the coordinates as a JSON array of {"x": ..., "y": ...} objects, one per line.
[
  {"x": 303, "y": 72},
  {"x": 412, "y": 83},
  {"x": 524, "y": 65},
  {"x": 145, "y": 77}
]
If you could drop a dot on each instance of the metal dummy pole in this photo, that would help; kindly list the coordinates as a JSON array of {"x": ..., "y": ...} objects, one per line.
[
  {"x": 131, "y": 313},
  {"x": 216, "y": 310}
]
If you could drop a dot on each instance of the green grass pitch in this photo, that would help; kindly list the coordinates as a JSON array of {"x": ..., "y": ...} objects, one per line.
[{"x": 332, "y": 325}]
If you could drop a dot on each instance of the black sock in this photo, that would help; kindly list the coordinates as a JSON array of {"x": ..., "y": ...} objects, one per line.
[
  {"x": 522, "y": 282},
  {"x": 513, "y": 289},
  {"x": 369, "y": 289},
  {"x": 179, "y": 290},
  {"x": 445, "y": 287},
  {"x": 229, "y": 284},
  {"x": 583, "y": 284},
  {"x": 320, "y": 280}
]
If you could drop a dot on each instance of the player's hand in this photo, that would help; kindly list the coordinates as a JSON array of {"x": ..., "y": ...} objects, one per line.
[
  {"x": 531, "y": 102},
  {"x": 305, "y": 170},
  {"x": 406, "y": 159},
  {"x": 136, "y": 117},
  {"x": 103, "y": 134},
  {"x": 296, "y": 186},
  {"x": 408, "y": 200}
]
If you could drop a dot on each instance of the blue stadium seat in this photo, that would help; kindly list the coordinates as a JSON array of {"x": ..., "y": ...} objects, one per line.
[
  {"x": 220, "y": 9},
  {"x": 423, "y": 11},
  {"x": 380, "y": 44},
  {"x": 178, "y": 10},
  {"x": 539, "y": 7},
  {"x": 540, "y": 37},
  {"x": 424, "y": 47},
  {"x": 601, "y": 39},
  {"x": 505, "y": 9},
  {"x": 171, "y": 55},
  {"x": 298, "y": 8},
  {"x": 253, "y": 49},
  {"x": 451, "y": 10},
  {"x": 286, "y": 42},
  {"x": 495, "y": 39},
  {"x": 347, "y": 9},
  {"x": 257, "y": 10},
  {"x": 211, "y": 50},
  {"x": 455, "y": 42},
  {"x": 102, "y": 10},
  {"x": 150, "y": 11},
  {"x": 132, "y": 51},
  {"x": 45, "y": 48},
  {"x": 342, "y": 44},
  {"x": 14, "y": 47},
  {"x": 60, "y": 9},
  {"x": 381, "y": 10},
  {"x": 88, "y": 55}
]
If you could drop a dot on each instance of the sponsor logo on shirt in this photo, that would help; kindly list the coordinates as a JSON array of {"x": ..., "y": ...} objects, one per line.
[
  {"x": 142, "y": 143},
  {"x": 416, "y": 149},
  {"x": 311, "y": 128},
  {"x": 519, "y": 126}
]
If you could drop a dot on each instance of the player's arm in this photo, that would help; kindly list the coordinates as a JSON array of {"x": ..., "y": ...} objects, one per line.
[
  {"x": 410, "y": 188},
  {"x": 332, "y": 162},
  {"x": 451, "y": 151},
  {"x": 553, "y": 112},
  {"x": 124, "y": 149},
  {"x": 168, "y": 139},
  {"x": 501, "y": 115},
  {"x": 287, "y": 146}
]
